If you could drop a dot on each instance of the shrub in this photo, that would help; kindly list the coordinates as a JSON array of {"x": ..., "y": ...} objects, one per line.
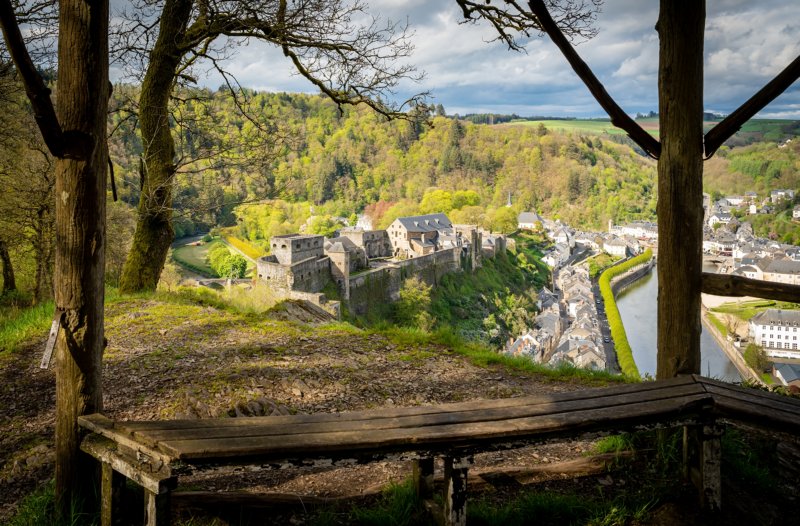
[
  {"x": 225, "y": 264},
  {"x": 623, "y": 348},
  {"x": 755, "y": 357}
]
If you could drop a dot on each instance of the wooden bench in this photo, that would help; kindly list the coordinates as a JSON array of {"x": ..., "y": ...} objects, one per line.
[{"x": 155, "y": 454}]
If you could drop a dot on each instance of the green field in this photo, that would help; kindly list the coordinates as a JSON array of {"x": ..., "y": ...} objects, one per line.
[
  {"x": 594, "y": 126},
  {"x": 193, "y": 257},
  {"x": 754, "y": 129},
  {"x": 745, "y": 310}
]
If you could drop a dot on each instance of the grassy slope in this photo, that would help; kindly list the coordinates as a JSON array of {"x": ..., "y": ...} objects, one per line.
[{"x": 463, "y": 300}]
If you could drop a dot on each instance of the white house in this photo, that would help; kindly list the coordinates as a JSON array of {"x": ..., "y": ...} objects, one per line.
[
  {"x": 783, "y": 271},
  {"x": 777, "y": 332},
  {"x": 719, "y": 217},
  {"x": 776, "y": 196},
  {"x": 615, "y": 247},
  {"x": 529, "y": 221}
]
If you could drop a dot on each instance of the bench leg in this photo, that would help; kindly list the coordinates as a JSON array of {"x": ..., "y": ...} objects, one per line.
[
  {"x": 110, "y": 493},
  {"x": 423, "y": 478},
  {"x": 156, "y": 508},
  {"x": 455, "y": 491},
  {"x": 702, "y": 456}
]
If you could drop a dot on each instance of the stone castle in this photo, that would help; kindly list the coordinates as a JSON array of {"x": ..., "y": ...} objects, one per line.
[{"x": 369, "y": 266}]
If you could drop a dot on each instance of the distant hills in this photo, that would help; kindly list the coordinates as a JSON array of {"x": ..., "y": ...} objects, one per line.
[{"x": 755, "y": 130}]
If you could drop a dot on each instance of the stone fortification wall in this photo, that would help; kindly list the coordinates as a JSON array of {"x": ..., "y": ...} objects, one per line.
[{"x": 379, "y": 286}]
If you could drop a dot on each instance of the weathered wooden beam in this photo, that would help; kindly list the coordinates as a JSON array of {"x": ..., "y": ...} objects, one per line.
[
  {"x": 155, "y": 480},
  {"x": 112, "y": 484},
  {"x": 702, "y": 455},
  {"x": 455, "y": 491},
  {"x": 680, "y": 185},
  {"x": 737, "y": 286},
  {"x": 619, "y": 118},
  {"x": 731, "y": 124},
  {"x": 423, "y": 478},
  {"x": 157, "y": 509}
]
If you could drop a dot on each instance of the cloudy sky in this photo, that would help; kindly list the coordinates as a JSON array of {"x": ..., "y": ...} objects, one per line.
[{"x": 747, "y": 43}]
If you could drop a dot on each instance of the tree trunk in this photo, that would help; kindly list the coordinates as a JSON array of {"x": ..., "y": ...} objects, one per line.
[
  {"x": 680, "y": 186},
  {"x": 9, "y": 283},
  {"x": 82, "y": 109},
  {"x": 154, "y": 232}
]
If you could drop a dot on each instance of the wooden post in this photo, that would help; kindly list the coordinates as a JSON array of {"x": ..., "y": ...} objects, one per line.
[
  {"x": 156, "y": 508},
  {"x": 680, "y": 186},
  {"x": 702, "y": 458},
  {"x": 423, "y": 478},
  {"x": 110, "y": 493},
  {"x": 455, "y": 491}
]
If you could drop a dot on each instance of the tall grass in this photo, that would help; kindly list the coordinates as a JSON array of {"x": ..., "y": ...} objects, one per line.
[
  {"x": 20, "y": 325},
  {"x": 38, "y": 509}
]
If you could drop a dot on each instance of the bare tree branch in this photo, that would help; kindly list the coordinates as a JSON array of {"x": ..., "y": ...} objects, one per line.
[
  {"x": 731, "y": 124},
  {"x": 619, "y": 118},
  {"x": 512, "y": 20},
  {"x": 38, "y": 93}
]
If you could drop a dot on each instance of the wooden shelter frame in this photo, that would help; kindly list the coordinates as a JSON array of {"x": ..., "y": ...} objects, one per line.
[{"x": 680, "y": 154}]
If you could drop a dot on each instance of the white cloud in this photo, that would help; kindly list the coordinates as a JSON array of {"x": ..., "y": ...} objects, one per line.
[{"x": 745, "y": 46}]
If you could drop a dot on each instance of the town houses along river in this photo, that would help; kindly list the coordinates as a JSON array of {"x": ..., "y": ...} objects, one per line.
[{"x": 637, "y": 306}]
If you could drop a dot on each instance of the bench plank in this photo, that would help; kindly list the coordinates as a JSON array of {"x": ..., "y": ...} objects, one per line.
[
  {"x": 534, "y": 407},
  {"x": 440, "y": 436},
  {"x": 368, "y": 414},
  {"x": 769, "y": 401}
]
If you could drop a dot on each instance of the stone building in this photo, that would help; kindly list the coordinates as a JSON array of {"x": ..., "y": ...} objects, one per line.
[
  {"x": 374, "y": 242},
  {"x": 417, "y": 235},
  {"x": 346, "y": 258},
  {"x": 297, "y": 262}
]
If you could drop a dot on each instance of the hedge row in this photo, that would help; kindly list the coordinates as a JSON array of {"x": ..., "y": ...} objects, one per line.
[{"x": 624, "y": 352}]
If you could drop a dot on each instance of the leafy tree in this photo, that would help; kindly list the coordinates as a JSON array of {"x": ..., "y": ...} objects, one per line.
[
  {"x": 413, "y": 308},
  {"x": 74, "y": 131},
  {"x": 504, "y": 220},
  {"x": 756, "y": 357},
  {"x": 323, "y": 226},
  {"x": 226, "y": 264},
  {"x": 436, "y": 201},
  {"x": 348, "y": 62}
]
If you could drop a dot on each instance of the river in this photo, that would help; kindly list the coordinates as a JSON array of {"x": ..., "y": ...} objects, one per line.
[{"x": 637, "y": 306}]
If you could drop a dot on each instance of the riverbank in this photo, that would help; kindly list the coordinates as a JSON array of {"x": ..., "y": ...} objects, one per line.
[
  {"x": 730, "y": 351},
  {"x": 638, "y": 306},
  {"x": 610, "y": 282}
]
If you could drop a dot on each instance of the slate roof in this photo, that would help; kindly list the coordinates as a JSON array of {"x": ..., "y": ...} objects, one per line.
[
  {"x": 784, "y": 266},
  {"x": 426, "y": 223},
  {"x": 777, "y": 317},
  {"x": 528, "y": 217},
  {"x": 789, "y": 372},
  {"x": 341, "y": 244}
]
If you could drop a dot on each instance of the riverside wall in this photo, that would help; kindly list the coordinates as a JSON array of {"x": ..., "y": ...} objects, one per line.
[
  {"x": 730, "y": 351},
  {"x": 619, "y": 283}
]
